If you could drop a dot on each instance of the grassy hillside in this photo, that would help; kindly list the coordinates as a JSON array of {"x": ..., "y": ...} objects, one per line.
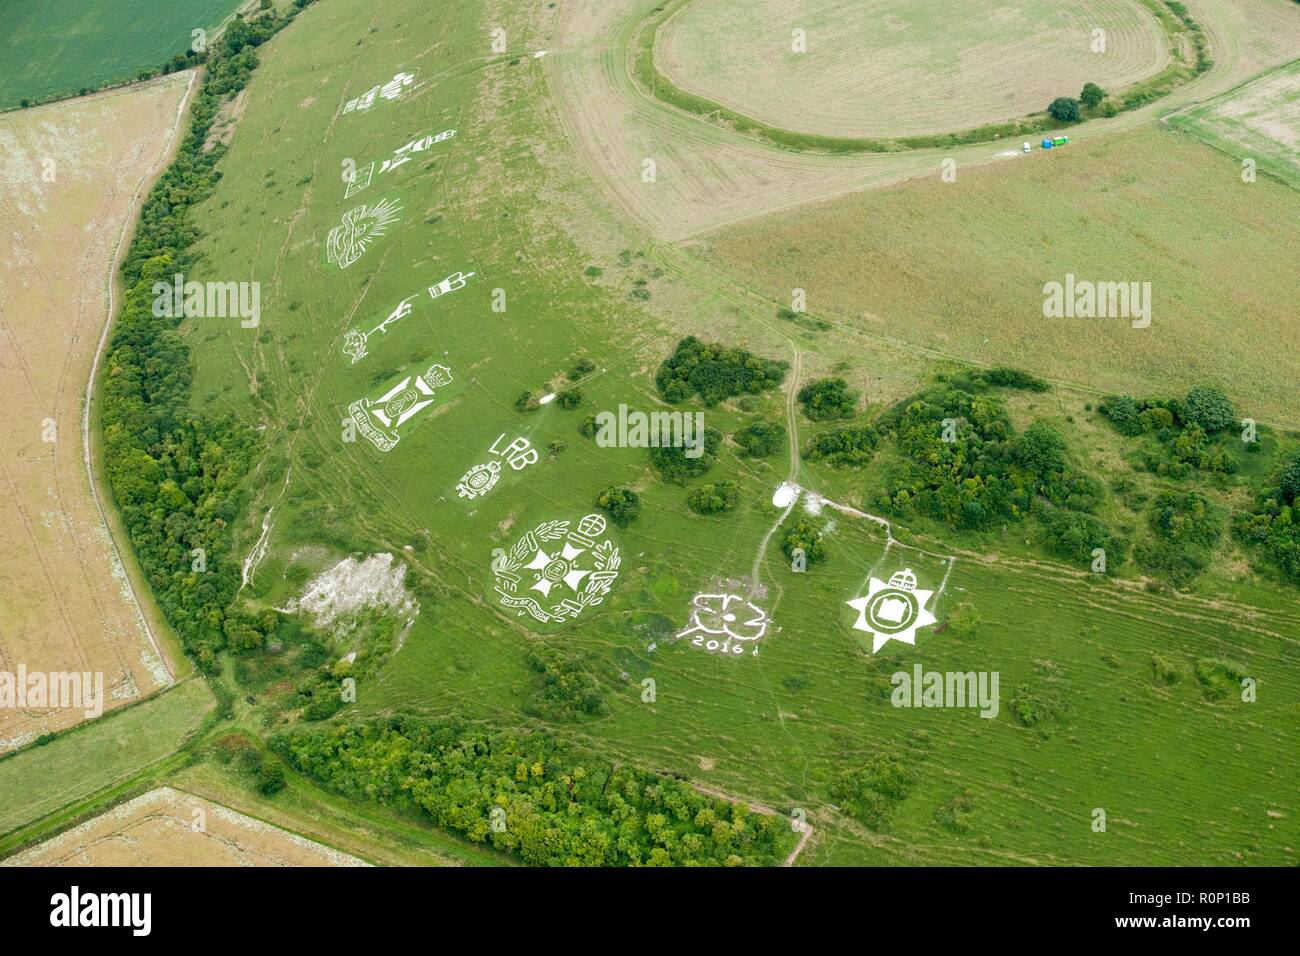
[
  {"x": 1101, "y": 705},
  {"x": 959, "y": 268}
]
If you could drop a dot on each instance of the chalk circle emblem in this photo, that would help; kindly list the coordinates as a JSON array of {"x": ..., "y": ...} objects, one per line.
[
  {"x": 893, "y": 610},
  {"x": 558, "y": 570}
]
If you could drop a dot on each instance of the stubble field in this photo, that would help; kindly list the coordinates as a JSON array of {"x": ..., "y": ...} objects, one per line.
[
  {"x": 881, "y": 69},
  {"x": 67, "y": 604}
]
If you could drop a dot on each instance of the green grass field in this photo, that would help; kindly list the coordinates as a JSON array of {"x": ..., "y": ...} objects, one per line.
[
  {"x": 1182, "y": 777},
  {"x": 40, "y": 780},
  {"x": 57, "y": 47}
]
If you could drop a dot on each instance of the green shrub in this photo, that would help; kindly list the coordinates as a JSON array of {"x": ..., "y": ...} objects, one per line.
[
  {"x": 760, "y": 439},
  {"x": 851, "y": 446},
  {"x": 826, "y": 399},
  {"x": 622, "y": 504},
  {"x": 1064, "y": 109},
  {"x": 803, "y": 534},
  {"x": 1209, "y": 407},
  {"x": 716, "y": 498}
]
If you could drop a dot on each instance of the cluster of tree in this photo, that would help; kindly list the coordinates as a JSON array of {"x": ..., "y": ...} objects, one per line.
[
  {"x": 1274, "y": 523},
  {"x": 715, "y": 373},
  {"x": 541, "y": 799},
  {"x": 965, "y": 465},
  {"x": 826, "y": 399},
  {"x": 569, "y": 398},
  {"x": 570, "y": 689},
  {"x": 869, "y": 793},
  {"x": 675, "y": 465},
  {"x": 1188, "y": 430},
  {"x": 760, "y": 439},
  {"x": 715, "y": 498},
  {"x": 622, "y": 504},
  {"x": 1067, "y": 109},
  {"x": 803, "y": 536},
  {"x": 1184, "y": 525},
  {"x": 851, "y": 446},
  {"x": 174, "y": 473}
]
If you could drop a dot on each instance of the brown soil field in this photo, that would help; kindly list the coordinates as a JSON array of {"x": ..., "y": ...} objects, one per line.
[
  {"x": 167, "y": 827},
  {"x": 72, "y": 176}
]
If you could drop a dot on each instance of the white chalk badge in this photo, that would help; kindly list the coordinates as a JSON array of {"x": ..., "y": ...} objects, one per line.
[{"x": 557, "y": 570}]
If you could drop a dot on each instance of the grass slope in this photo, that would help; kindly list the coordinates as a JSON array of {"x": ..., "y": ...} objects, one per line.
[
  {"x": 960, "y": 267},
  {"x": 1183, "y": 777}
]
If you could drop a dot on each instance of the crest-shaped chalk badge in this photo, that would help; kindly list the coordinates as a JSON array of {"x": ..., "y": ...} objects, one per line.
[
  {"x": 555, "y": 571},
  {"x": 893, "y": 610},
  {"x": 381, "y": 419}
]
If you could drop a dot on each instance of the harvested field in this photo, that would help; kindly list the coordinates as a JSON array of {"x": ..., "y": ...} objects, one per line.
[
  {"x": 167, "y": 827},
  {"x": 707, "y": 176},
  {"x": 1258, "y": 121},
  {"x": 66, "y": 603},
  {"x": 879, "y": 68}
]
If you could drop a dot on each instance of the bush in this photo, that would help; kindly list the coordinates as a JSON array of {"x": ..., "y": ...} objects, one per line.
[
  {"x": 716, "y": 498},
  {"x": 1290, "y": 483},
  {"x": 760, "y": 439},
  {"x": 1124, "y": 413},
  {"x": 583, "y": 366},
  {"x": 1092, "y": 95},
  {"x": 1208, "y": 407},
  {"x": 869, "y": 793},
  {"x": 715, "y": 373},
  {"x": 1005, "y": 377},
  {"x": 623, "y": 505},
  {"x": 844, "y": 446},
  {"x": 802, "y": 534},
  {"x": 828, "y": 398},
  {"x": 1064, "y": 109},
  {"x": 676, "y": 466},
  {"x": 569, "y": 398}
]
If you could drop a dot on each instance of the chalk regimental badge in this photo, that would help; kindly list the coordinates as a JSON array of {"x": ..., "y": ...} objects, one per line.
[
  {"x": 381, "y": 420},
  {"x": 892, "y": 610},
  {"x": 558, "y": 570}
]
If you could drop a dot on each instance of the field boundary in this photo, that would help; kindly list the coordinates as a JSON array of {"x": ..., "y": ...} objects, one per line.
[{"x": 1176, "y": 24}]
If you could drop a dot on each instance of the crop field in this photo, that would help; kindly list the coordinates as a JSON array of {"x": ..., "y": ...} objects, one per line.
[
  {"x": 167, "y": 827},
  {"x": 1259, "y": 121},
  {"x": 861, "y": 66},
  {"x": 959, "y": 268},
  {"x": 57, "y": 47},
  {"x": 65, "y": 600}
]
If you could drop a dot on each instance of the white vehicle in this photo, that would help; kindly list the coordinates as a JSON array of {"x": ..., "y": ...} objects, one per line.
[{"x": 1026, "y": 147}]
